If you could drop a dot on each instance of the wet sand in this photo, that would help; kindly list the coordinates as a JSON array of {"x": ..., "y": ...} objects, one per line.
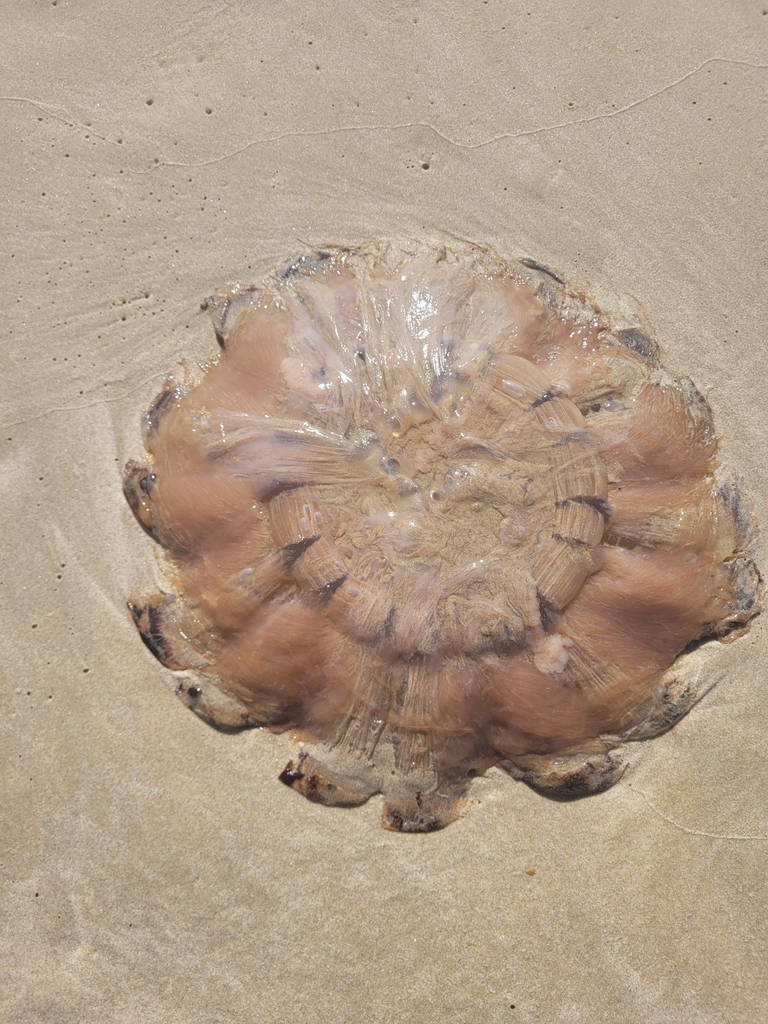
[{"x": 154, "y": 870}]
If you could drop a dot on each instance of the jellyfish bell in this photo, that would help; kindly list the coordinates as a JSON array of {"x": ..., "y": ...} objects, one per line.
[{"x": 429, "y": 511}]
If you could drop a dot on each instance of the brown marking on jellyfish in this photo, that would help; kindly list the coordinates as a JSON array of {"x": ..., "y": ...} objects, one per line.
[
  {"x": 666, "y": 434},
  {"x": 280, "y": 660},
  {"x": 235, "y": 571},
  {"x": 636, "y": 615},
  {"x": 533, "y": 712}
]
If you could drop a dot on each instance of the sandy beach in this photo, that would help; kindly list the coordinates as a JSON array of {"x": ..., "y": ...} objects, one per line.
[{"x": 153, "y": 870}]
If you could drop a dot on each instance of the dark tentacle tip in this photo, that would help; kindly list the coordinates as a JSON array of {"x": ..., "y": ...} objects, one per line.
[
  {"x": 542, "y": 399},
  {"x": 291, "y": 774},
  {"x": 638, "y": 342},
  {"x": 160, "y": 406},
  {"x": 541, "y": 268},
  {"x": 147, "y": 621}
]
